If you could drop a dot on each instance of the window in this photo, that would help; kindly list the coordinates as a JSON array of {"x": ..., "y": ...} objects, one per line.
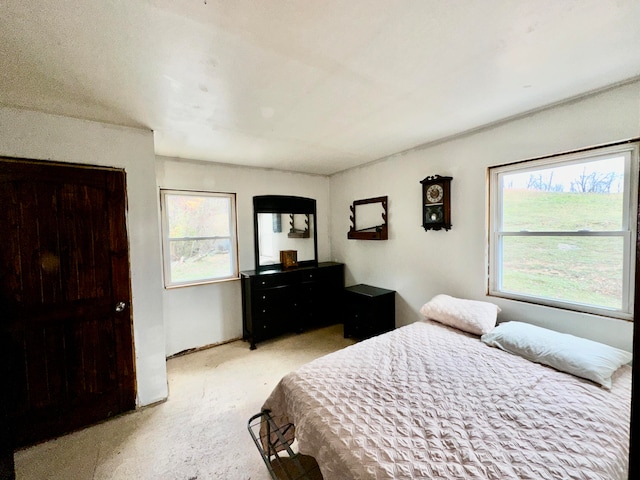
[
  {"x": 562, "y": 230},
  {"x": 199, "y": 237}
]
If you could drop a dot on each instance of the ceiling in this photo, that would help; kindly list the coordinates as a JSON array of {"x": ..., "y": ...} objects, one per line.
[{"x": 314, "y": 86}]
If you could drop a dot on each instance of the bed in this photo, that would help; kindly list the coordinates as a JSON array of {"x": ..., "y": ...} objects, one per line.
[{"x": 428, "y": 400}]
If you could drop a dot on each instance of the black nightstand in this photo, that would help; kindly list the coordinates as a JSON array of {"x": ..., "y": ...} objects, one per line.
[{"x": 369, "y": 311}]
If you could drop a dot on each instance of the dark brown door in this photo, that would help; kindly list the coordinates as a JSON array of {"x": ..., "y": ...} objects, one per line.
[{"x": 66, "y": 295}]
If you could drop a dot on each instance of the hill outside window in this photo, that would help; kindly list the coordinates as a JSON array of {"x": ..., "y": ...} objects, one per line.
[
  {"x": 562, "y": 230},
  {"x": 199, "y": 237}
]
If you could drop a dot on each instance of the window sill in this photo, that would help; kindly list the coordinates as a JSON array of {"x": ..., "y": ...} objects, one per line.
[
  {"x": 576, "y": 308},
  {"x": 201, "y": 282}
]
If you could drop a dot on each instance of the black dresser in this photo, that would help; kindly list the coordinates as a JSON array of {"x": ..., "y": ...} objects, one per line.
[
  {"x": 368, "y": 311},
  {"x": 279, "y": 301}
]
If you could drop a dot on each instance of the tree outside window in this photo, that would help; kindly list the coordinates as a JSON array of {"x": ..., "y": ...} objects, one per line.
[{"x": 199, "y": 237}]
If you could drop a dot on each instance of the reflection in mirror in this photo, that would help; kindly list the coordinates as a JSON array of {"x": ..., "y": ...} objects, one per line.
[
  {"x": 272, "y": 241},
  {"x": 299, "y": 225}
]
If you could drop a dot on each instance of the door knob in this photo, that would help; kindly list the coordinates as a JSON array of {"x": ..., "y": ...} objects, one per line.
[{"x": 120, "y": 306}]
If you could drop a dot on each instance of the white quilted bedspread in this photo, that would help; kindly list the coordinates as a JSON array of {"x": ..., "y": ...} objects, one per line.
[{"x": 428, "y": 401}]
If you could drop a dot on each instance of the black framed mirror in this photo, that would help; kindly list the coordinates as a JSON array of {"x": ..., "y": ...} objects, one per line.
[{"x": 275, "y": 217}]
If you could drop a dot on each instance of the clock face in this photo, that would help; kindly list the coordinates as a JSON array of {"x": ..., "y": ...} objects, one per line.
[
  {"x": 435, "y": 193},
  {"x": 434, "y": 214}
]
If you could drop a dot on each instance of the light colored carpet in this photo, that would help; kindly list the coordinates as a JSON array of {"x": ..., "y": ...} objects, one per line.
[{"x": 199, "y": 433}]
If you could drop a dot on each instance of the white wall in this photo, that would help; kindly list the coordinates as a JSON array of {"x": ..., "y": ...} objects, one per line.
[
  {"x": 419, "y": 264},
  {"x": 40, "y": 136},
  {"x": 202, "y": 315}
]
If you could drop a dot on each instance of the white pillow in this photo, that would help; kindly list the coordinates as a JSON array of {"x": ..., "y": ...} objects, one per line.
[
  {"x": 470, "y": 316},
  {"x": 567, "y": 353}
]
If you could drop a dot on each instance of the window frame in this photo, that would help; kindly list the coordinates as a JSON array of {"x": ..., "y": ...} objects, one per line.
[
  {"x": 628, "y": 231},
  {"x": 166, "y": 239}
]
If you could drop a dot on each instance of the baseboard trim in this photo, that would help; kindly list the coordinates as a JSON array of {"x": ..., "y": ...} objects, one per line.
[{"x": 204, "y": 347}]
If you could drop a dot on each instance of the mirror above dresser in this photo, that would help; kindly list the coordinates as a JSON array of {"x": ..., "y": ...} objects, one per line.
[{"x": 284, "y": 223}]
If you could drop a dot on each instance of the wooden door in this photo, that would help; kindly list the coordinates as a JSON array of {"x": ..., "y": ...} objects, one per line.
[
  {"x": 7, "y": 467},
  {"x": 65, "y": 296}
]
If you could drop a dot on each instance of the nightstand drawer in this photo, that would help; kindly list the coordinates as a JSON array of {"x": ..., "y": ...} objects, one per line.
[{"x": 368, "y": 311}]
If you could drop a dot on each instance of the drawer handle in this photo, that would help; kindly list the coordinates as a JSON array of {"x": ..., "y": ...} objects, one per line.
[{"x": 263, "y": 283}]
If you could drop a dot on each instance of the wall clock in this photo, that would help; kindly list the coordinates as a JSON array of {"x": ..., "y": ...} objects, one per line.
[{"x": 436, "y": 203}]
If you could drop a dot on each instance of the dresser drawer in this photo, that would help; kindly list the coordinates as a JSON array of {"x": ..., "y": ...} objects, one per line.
[
  {"x": 272, "y": 297},
  {"x": 333, "y": 275},
  {"x": 268, "y": 325},
  {"x": 309, "y": 275},
  {"x": 270, "y": 281}
]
